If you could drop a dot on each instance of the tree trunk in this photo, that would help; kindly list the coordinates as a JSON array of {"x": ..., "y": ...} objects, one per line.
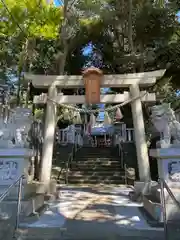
[
  {"x": 142, "y": 57},
  {"x": 27, "y": 94},
  {"x": 63, "y": 59},
  {"x": 18, "y": 99},
  {"x": 22, "y": 63},
  {"x": 130, "y": 31}
]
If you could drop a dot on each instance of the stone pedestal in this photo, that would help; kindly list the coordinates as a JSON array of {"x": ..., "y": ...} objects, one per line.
[
  {"x": 14, "y": 162},
  {"x": 153, "y": 207},
  {"x": 169, "y": 170},
  {"x": 168, "y": 165}
]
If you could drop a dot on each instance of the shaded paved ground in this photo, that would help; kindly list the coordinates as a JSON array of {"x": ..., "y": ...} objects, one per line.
[{"x": 94, "y": 213}]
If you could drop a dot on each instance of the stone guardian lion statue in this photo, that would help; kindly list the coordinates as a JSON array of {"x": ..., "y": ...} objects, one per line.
[{"x": 164, "y": 120}]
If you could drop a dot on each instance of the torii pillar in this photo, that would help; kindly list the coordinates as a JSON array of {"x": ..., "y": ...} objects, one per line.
[
  {"x": 139, "y": 132},
  {"x": 49, "y": 131}
]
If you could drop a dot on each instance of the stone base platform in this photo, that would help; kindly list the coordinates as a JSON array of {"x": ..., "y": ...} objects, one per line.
[
  {"x": 33, "y": 198},
  {"x": 152, "y": 204},
  {"x": 28, "y": 206}
]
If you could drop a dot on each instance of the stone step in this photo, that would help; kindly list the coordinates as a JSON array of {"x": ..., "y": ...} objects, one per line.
[
  {"x": 96, "y": 168},
  {"x": 94, "y": 156},
  {"x": 90, "y": 174},
  {"x": 95, "y": 148},
  {"x": 40, "y": 233},
  {"x": 90, "y": 164},
  {"x": 105, "y": 163},
  {"x": 109, "y": 153},
  {"x": 95, "y": 181},
  {"x": 94, "y": 175},
  {"x": 109, "y": 164},
  {"x": 97, "y": 158},
  {"x": 91, "y": 230},
  {"x": 63, "y": 233},
  {"x": 98, "y": 178},
  {"x": 58, "y": 234},
  {"x": 98, "y": 153}
]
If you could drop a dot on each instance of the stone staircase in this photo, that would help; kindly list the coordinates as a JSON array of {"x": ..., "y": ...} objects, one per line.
[{"x": 96, "y": 165}]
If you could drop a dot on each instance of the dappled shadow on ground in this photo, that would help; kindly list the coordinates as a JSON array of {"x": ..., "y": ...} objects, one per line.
[
  {"x": 89, "y": 205},
  {"x": 102, "y": 219},
  {"x": 97, "y": 221},
  {"x": 87, "y": 213}
]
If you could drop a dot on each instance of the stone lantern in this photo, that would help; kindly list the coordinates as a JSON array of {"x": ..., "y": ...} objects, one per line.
[{"x": 92, "y": 79}]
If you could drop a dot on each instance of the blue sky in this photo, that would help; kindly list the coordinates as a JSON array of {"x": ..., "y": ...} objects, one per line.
[
  {"x": 87, "y": 50},
  {"x": 57, "y": 2}
]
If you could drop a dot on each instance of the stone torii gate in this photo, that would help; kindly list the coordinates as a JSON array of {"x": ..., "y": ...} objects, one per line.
[{"x": 132, "y": 81}]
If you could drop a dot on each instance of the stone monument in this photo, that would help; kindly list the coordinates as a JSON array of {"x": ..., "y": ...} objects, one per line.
[
  {"x": 14, "y": 145},
  {"x": 167, "y": 154},
  {"x": 15, "y": 156}
]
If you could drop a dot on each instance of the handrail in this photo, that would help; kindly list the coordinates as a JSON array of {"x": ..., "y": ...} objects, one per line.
[
  {"x": 171, "y": 194},
  {"x": 65, "y": 167},
  {"x": 5, "y": 194},
  {"x": 70, "y": 159},
  {"x": 163, "y": 185},
  {"x": 121, "y": 155},
  {"x": 67, "y": 163},
  {"x": 9, "y": 189}
]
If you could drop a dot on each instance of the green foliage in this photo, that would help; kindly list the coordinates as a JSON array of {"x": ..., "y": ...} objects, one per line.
[
  {"x": 39, "y": 114},
  {"x": 51, "y": 35},
  {"x": 35, "y": 18},
  {"x": 152, "y": 24}
]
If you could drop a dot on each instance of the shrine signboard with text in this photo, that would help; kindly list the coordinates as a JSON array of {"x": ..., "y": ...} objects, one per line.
[{"x": 168, "y": 165}]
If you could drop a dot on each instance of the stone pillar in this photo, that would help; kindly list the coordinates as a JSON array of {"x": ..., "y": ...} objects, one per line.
[
  {"x": 139, "y": 130},
  {"x": 49, "y": 131}
]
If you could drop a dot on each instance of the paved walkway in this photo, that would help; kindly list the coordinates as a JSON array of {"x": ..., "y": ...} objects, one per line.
[{"x": 97, "y": 211}]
